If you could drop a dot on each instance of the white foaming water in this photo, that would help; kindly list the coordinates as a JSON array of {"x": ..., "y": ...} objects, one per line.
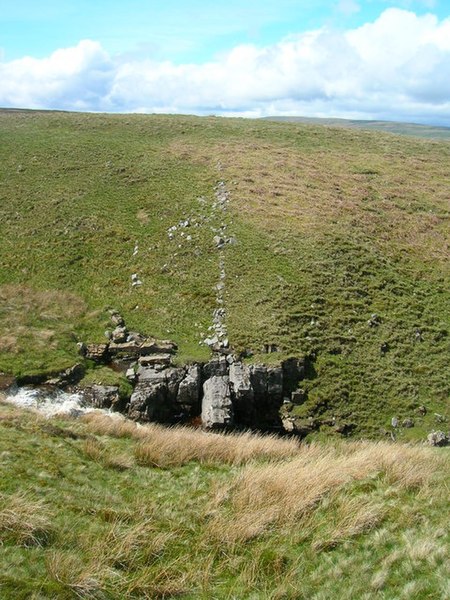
[{"x": 47, "y": 402}]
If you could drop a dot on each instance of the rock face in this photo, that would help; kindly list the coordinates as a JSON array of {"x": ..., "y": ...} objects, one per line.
[
  {"x": 104, "y": 396},
  {"x": 217, "y": 408},
  {"x": 165, "y": 395},
  {"x": 267, "y": 383},
  {"x": 225, "y": 392},
  {"x": 242, "y": 393},
  {"x": 189, "y": 388}
]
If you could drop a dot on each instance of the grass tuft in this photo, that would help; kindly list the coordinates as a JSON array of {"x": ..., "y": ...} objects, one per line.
[{"x": 24, "y": 521}]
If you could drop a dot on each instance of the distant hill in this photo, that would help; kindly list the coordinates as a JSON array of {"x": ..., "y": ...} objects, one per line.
[
  {"x": 425, "y": 131},
  {"x": 333, "y": 245}
]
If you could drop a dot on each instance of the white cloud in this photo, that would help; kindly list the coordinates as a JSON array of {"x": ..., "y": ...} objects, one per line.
[{"x": 394, "y": 68}]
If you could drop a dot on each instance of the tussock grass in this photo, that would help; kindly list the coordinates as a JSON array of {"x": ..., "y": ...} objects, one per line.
[
  {"x": 116, "y": 426},
  {"x": 127, "y": 548},
  {"x": 342, "y": 520},
  {"x": 162, "y": 447},
  {"x": 264, "y": 495},
  {"x": 24, "y": 520},
  {"x": 69, "y": 571},
  {"x": 96, "y": 451}
]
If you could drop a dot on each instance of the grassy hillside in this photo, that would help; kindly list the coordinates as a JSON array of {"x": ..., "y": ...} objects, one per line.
[
  {"x": 398, "y": 128},
  {"x": 332, "y": 227},
  {"x": 104, "y": 509}
]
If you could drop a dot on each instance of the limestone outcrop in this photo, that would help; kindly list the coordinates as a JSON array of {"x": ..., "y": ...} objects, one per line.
[
  {"x": 225, "y": 392},
  {"x": 217, "y": 408}
]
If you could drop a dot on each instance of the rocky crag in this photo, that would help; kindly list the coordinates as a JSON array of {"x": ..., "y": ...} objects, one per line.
[{"x": 222, "y": 393}]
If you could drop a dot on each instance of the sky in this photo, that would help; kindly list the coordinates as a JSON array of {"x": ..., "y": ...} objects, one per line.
[{"x": 363, "y": 59}]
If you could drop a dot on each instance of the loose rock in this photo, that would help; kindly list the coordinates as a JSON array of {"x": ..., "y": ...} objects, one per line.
[{"x": 438, "y": 438}]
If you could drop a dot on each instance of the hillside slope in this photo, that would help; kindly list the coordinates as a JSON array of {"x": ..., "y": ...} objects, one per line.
[
  {"x": 338, "y": 250},
  {"x": 424, "y": 131},
  {"x": 101, "y": 508}
]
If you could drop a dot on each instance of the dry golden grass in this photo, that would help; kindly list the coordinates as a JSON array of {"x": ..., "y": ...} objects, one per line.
[
  {"x": 354, "y": 516},
  {"x": 163, "y": 447},
  {"x": 127, "y": 548},
  {"x": 102, "y": 424},
  {"x": 24, "y": 520},
  {"x": 263, "y": 495},
  {"x": 70, "y": 572}
]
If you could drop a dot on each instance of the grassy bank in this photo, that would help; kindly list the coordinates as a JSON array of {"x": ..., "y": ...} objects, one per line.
[
  {"x": 86, "y": 513},
  {"x": 332, "y": 226}
]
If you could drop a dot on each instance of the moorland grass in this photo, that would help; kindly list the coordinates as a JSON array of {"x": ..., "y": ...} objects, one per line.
[
  {"x": 332, "y": 226},
  {"x": 342, "y": 520}
]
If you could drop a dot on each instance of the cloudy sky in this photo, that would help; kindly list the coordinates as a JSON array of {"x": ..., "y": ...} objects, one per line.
[{"x": 369, "y": 59}]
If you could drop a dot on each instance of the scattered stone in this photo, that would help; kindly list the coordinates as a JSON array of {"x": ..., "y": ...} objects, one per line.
[
  {"x": 422, "y": 410},
  {"x": 394, "y": 422},
  {"x": 154, "y": 359},
  {"x": 384, "y": 347},
  {"x": 97, "y": 352},
  {"x": 438, "y": 438},
  {"x": 270, "y": 348},
  {"x": 289, "y": 424},
  {"x": 408, "y": 423},
  {"x": 124, "y": 349},
  {"x": 117, "y": 319},
  {"x": 119, "y": 335},
  {"x": 154, "y": 346},
  {"x": 135, "y": 281},
  {"x": 218, "y": 241},
  {"x": 82, "y": 348},
  {"x": 374, "y": 320},
  {"x": 130, "y": 374},
  {"x": 439, "y": 418},
  {"x": 74, "y": 374}
]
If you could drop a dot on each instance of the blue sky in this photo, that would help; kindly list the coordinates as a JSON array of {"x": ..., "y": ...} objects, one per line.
[{"x": 81, "y": 55}]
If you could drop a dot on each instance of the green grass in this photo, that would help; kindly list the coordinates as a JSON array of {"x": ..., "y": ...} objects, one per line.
[
  {"x": 79, "y": 518},
  {"x": 397, "y": 128},
  {"x": 333, "y": 225}
]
